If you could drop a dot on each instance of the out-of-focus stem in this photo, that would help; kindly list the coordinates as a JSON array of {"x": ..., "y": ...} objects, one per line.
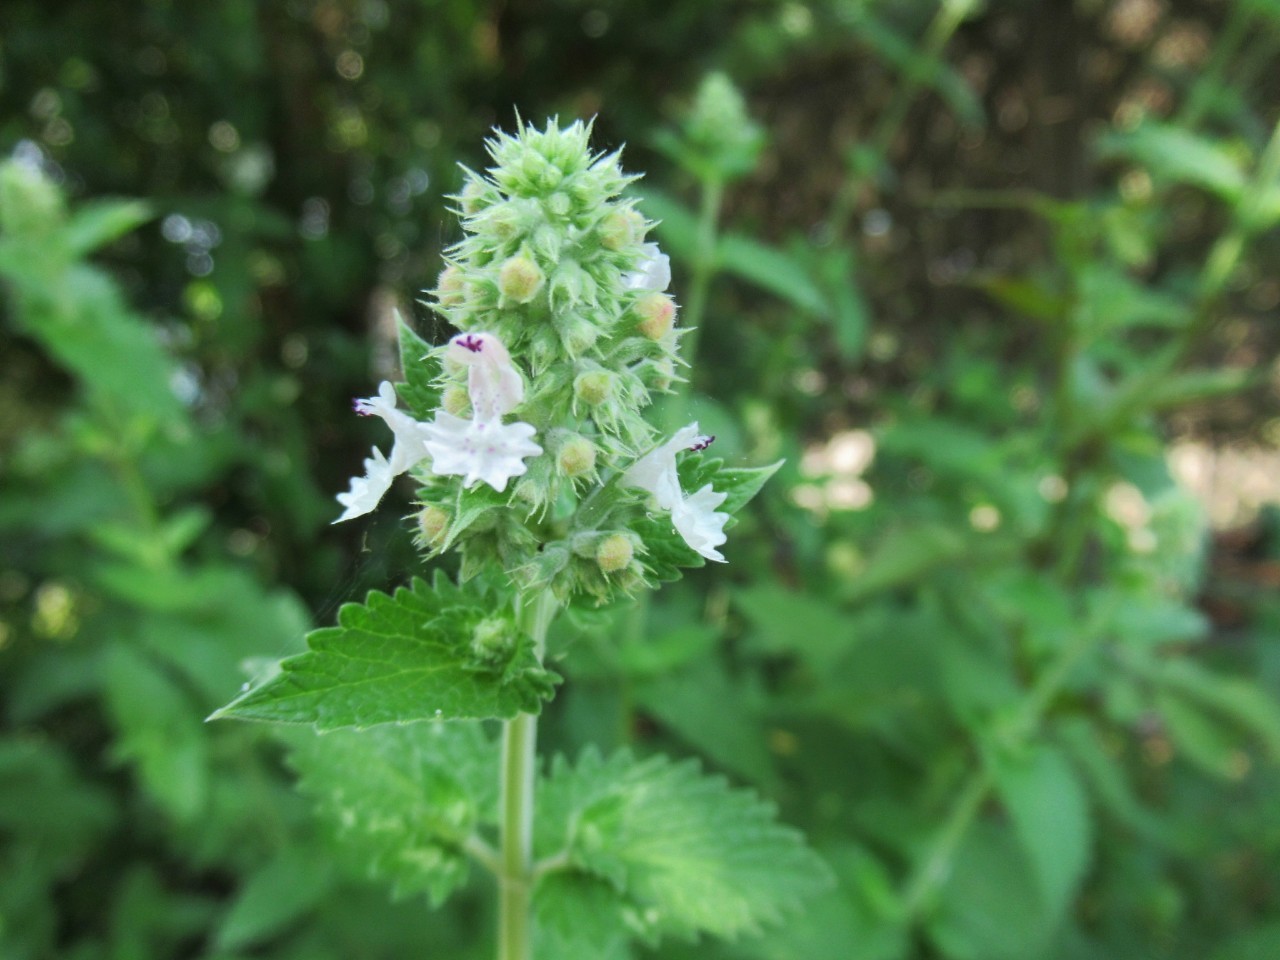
[{"x": 704, "y": 268}]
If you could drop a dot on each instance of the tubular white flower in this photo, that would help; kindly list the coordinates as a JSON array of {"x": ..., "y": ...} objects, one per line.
[
  {"x": 408, "y": 448},
  {"x": 653, "y": 272},
  {"x": 656, "y": 470},
  {"x": 476, "y": 450},
  {"x": 694, "y": 517},
  {"x": 702, "y": 526},
  {"x": 367, "y": 490},
  {"x": 492, "y": 379},
  {"x": 482, "y": 448},
  {"x": 407, "y": 451}
]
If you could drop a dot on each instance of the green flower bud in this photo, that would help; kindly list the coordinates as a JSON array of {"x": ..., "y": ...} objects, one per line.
[
  {"x": 621, "y": 229},
  {"x": 450, "y": 287},
  {"x": 559, "y": 205},
  {"x": 662, "y": 374},
  {"x": 576, "y": 457},
  {"x": 657, "y": 315},
  {"x": 615, "y": 552},
  {"x": 502, "y": 223},
  {"x": 577, "y": 333},
  {"x": 593, "y": 387},
  {"x": 720, "y": 128},
  {"x": 475, "y": 196},
  {"x": 493, "y": 639},
  {"x": 519, "y": 279},
  {"x": 432, "y": 525}
]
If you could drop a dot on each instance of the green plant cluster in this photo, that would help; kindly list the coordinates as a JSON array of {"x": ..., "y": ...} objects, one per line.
[{"x": 968, "y": 270}]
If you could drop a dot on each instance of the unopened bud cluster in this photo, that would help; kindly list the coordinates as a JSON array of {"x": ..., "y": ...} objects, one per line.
[{"x": 544, "y": 265}]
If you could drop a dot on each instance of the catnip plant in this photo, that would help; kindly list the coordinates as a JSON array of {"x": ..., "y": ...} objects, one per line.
[{"x": 531, "y": 438}]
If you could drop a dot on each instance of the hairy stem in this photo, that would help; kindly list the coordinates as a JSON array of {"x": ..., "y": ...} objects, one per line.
[{"x": 515, "y": 817}]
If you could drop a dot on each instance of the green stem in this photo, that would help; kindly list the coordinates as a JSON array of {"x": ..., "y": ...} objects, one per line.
[
  {"x": 515, "y": 817},
  {"x": 936, "y": 865},
  {"x": 704, "y": 268}
]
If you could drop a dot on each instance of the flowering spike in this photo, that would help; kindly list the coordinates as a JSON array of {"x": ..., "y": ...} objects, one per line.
[{"x": 564, "y": 319}]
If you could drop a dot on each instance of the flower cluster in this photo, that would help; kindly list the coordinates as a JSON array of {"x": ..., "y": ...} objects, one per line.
[
  {"x": 567, "y": 331},
  {"x": 480, "y": 447}
]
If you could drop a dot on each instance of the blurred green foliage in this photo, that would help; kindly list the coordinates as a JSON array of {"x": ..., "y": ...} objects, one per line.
[{"x": 967, "y": 269}]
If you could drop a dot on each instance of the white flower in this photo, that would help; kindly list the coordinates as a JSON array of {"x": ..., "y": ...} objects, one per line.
[
  {"x": 367, "y": 490},
  {"x": 656, "y": 470},
  {"x": 407, "y": 451},
  {"x": 493, "y": 382},
  {"x": 694, "y": 517},
  {"x": 653, "y": 272},
  {"x": 483, "y": 448},
  {"x": 476, "y": 450},
  {"x": 408, "y": 448}
]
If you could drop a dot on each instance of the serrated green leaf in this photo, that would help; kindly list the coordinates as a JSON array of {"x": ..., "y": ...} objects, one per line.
[
  {"x": 738, "y": 484},
  {"x": 404, "y": 799},
  {"x": 419, "y": 390},
  {"x": 854, "y": 921},
  {"x": 741, "y": 484},
  {"x": 98, "y": 222},
  {"x": 684, "y": 852},
  {"x": 1051, "y": 820},
  {"x": 577, "y": 916},
  {"x": 401, "y": 658}
]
